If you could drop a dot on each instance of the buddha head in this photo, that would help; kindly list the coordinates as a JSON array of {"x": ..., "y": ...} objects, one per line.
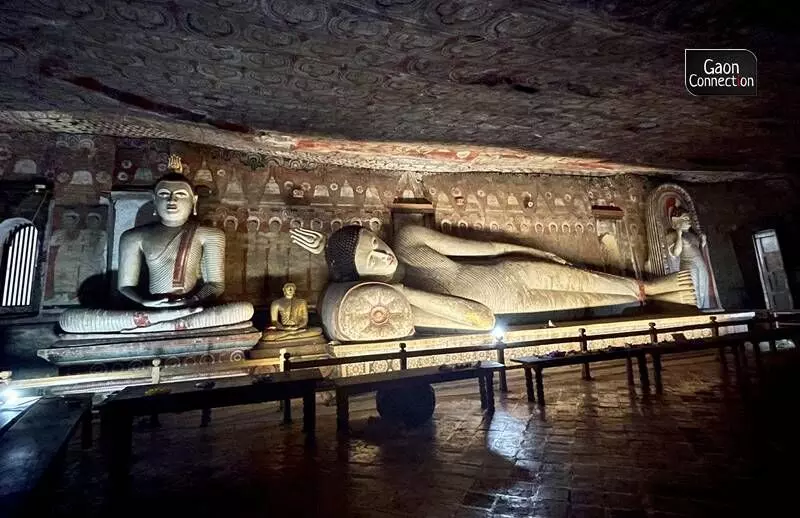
[
  {"x": 94, "y": 221},
  {"x": 289, "y": 289},
  {"x": 69, "y": 220},
  {"x": 274, "y": 225},
  {"x": 175, "y": 199},
  {"x": 680, "y": 219},
  {"x": 354, "y": 253},
  {"x": 253, "y": 223}
]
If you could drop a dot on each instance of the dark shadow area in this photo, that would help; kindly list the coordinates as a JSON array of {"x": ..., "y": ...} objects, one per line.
[{"x": 93, "y": 292}]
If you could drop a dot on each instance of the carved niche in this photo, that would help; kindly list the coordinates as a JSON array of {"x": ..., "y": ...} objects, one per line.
[{"x": 664, "y": 202}]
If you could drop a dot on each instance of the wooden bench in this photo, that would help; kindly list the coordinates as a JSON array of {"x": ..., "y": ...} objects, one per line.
[
  {"x": 33, "y": 442},
  {"x": 683, "y": 345},
  {"x": 536, "y": 365},
  {"x": 352, "y": 385},
  {"x": 118, "y": 411}
]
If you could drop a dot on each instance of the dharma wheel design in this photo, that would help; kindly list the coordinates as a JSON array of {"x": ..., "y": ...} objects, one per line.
[{"x": 375, "y": 311}]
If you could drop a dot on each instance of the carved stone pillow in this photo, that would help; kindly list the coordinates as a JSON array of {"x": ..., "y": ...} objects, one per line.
[{"x": 365, "y": 311}]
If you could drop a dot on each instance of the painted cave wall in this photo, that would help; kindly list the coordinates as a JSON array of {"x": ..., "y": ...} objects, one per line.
[{"x": 257, "y": 199}]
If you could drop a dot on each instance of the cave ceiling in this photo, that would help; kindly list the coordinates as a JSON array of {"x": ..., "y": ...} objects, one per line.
[{"x": 449, "y": 85}]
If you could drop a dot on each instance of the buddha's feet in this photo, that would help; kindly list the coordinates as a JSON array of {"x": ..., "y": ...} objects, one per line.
[
  {"x": 154, "y": 320},
  {"x": 677, "y": 288}
]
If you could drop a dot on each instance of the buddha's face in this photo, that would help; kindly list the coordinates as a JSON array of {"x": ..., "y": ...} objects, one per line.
[
  {"x": 682, "y": 222},
  {"x": 93, "y": 222},
  {"x": 289, "y": 290},
  {"x": 252, "y": 225},
  {"x": 69, "y": 221},
  {"x": 174, "y": 202},
  {"x": 373, "y": 257}
]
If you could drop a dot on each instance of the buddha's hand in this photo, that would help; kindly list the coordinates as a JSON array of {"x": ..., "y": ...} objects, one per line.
[
  {"x": 703, "y": 240},
  {"x": 166, "y": 303},
  {"x": 310, "y": 240}
]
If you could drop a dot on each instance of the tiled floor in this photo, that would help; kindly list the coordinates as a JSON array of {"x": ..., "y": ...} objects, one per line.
[{"x": 710, "y": 445}]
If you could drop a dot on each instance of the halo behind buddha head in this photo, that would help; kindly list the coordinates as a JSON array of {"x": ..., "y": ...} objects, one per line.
[{"x": 340, "y": 254}]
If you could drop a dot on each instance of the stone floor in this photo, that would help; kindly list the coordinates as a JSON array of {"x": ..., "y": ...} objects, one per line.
[{"x": 710, "y": 445}]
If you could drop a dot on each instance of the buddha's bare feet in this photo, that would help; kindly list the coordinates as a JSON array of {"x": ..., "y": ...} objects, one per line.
[{"x": 676, "y": 288}]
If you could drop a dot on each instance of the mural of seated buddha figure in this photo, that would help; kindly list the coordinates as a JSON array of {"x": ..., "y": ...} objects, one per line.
[
  {"x": 438, "y": 281},
  {"x": 185, "y": 263}
]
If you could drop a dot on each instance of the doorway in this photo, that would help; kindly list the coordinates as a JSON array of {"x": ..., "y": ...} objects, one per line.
[{"x": 774, "y": 281}]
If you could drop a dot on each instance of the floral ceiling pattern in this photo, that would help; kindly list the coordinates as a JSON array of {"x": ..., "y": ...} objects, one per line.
[{"x": 520, "y": 85}]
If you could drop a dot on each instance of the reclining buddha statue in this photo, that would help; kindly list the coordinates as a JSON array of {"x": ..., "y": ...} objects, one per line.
[
  {"x": 185, "y": 263},
  {"x": 438, "y": 281}
]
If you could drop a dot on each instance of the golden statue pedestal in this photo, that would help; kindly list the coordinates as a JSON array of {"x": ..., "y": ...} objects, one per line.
[
  {"x": 289, "y": 329},
  {"x": 311, "y": 346}
]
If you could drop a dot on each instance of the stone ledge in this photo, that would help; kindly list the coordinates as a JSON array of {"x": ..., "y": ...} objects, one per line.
[{"x": 731, "y": 322}]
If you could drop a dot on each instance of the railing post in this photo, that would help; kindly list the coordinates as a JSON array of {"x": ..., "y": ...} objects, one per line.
[
  {"x": 286, "y": 366},
  {"x": 501, "y": 358},
  {"x": 653, "y": 333},
  {"x": 715, "y": 334},
  {"x": 403, "y": 358},
  {"x": 714, "y": 327},
  {"x": 287, "y": 403},
  {"x": 155, "y": 372},
  {"x": 773, "y": 324},
  {"x": 586, "y": 370},
  {"x": 752, "y": 333}
]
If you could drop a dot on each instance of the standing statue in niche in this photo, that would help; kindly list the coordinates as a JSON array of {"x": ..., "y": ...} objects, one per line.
[
  {"x": 451, "y": 283},
  {"x": 66, "y": 250},
  {"x": 676, "y": 242},
  {"x": 289, "y": 318},
  {"x": 255, "y": 259},
  {"x": 94, "y": 241},
  {"x": 185, "y": 265}
]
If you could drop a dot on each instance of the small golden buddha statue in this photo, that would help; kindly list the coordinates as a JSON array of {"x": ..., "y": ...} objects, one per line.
[{"x": 289, "y": 318}]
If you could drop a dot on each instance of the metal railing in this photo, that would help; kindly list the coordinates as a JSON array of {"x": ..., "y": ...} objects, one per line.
[
  {"x": 770, "y": 320},
  {"x": 158, "y": 373}
]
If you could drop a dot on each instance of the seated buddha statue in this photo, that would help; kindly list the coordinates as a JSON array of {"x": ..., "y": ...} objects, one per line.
[
  {"x": 289, "y": 318},
  {"x": 438, "y": 281},
  {"x": 185, "y": 263}
]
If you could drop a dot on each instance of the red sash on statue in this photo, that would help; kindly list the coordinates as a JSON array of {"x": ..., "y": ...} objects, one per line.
[{"x": 185, "y": 246}]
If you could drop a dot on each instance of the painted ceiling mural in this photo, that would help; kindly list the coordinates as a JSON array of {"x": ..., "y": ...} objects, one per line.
[{"x": 429, "y": 85}]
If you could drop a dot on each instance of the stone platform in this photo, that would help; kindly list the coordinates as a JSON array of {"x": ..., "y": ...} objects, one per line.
[
  {"x": 300, "y": 347},
  {"x": 732, "y": 322},
  {"x": 218, "y": 344}
]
